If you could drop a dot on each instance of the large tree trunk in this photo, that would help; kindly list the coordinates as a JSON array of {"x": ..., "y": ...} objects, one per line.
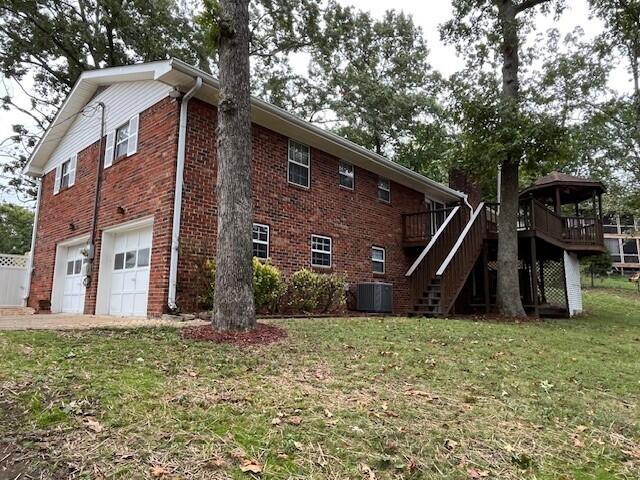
[
  {"x": 233, "y": 297},
  {"x": 508, "y": 295}
]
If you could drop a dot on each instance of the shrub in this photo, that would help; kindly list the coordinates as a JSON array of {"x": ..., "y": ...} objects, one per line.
[
  {"x": 311, "y": 292},
  {"x": 267, "y": 286}
]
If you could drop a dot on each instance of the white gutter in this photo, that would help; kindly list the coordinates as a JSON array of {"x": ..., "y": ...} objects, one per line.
[
  {"x": 33, "y": 243},
  {"x": 177, "y": 199},
  {"x": 449, "y": 193}
]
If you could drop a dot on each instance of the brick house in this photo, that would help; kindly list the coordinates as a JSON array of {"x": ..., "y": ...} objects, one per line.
[{"x": 126, "y": 210}]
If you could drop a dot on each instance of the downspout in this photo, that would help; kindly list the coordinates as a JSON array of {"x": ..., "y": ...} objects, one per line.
[
  {"x": 177, "y": 200},
  {"x": 96, "y": 201},
  {"x": 33, "y": 243}
]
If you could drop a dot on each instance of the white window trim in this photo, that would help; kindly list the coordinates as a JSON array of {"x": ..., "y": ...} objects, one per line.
[
  {"x": 388, "y": 189},
  {"x": 383, "y": 261},
  {"x": 315, "y": 250},
  {"x": 290, "y": 161},
  {"x": 262, "y": 242},
  {"x": 352, "y": 176}
]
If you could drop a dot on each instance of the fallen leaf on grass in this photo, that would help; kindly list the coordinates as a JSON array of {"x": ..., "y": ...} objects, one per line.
[
  {"x": 276, "y": 421},
  {"x": 419, "y": 393},
  {"x": 328, "y": 414},
  {"x": 93, "y": 425},
  {"x": 251, "y": 466},
  {"x": 294, "y": 420},
  {"x": 216, "y": 462},
  {"x": 366, "y": 470},
  {"x": 450, "y": 444},
  {"x": 577, "y": 442},
  {"x": 158, "y": 471},
  {"x": 473, "y": 473},
  {"x": 298, "y": 445}
]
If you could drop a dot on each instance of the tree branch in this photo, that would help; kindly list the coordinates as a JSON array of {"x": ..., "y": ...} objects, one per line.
[{"x": 527, "y": 4}]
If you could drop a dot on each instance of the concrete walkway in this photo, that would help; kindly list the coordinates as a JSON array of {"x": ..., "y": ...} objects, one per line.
[{"x": 84, "y": 322}]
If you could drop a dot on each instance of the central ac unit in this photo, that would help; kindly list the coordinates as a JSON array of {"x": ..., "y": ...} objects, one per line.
[{"x": 375, "y": 297}]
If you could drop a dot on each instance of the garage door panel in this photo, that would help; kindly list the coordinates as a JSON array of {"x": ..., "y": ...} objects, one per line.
[{"x": 130, "y": 277}]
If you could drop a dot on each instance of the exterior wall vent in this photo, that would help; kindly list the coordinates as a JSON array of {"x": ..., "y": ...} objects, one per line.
[{"x": 375, "y": 297}]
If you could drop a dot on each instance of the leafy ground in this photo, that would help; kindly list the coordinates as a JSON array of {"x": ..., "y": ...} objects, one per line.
[{"x": 357, "y": 398}]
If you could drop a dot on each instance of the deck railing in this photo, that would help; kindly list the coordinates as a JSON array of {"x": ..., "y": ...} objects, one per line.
[
  {"x": 534, "y": 215},
  {"x": 455, "y": 269},
  {"x": 423, "y": 270},
  {"x": 418, "y": 228}
]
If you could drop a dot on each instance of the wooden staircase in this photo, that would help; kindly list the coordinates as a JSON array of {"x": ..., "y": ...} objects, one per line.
[{"x": 440, "y": 272}]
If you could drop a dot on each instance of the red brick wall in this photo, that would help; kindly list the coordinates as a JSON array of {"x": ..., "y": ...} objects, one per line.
[
  {"x": 143, "y": 184},
  {"x": 355, "y": 220}
]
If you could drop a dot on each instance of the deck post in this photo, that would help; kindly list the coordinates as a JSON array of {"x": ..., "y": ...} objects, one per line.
[
  {"x": 534, "y": 276},
  {"x": 485, "y": 271},
  {"x": 557, "y": 205}
]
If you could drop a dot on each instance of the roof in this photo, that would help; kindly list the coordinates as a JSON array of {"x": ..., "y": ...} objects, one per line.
[
  {"x": 572, "y": 188},
  {"x": 181, "y": 76}
]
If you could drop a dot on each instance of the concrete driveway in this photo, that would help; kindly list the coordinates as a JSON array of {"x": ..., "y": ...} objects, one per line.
[{"x": 84, "y": 322}]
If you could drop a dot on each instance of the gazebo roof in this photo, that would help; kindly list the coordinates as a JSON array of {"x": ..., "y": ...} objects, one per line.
[{"x": 572, "y": 189}]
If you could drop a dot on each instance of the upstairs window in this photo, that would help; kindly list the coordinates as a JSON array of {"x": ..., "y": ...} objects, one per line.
[
  {"x": 345, "y": 172},
  {"x": 320, "y": 251},
  {"x": 122, "y": 141},
  {"x": 384, "y": 189},
  {"x": 260, "y": 241},
  {"x": 378, "y": 256},
  {"x": 65, "y": 174},
  {"x": 298, "y": 169}
]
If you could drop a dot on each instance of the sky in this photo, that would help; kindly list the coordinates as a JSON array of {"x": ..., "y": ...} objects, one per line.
[{"x": 429, "y": 14}]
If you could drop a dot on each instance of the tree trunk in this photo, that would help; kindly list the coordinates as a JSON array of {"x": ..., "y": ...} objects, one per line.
[
  {"x": 508, "y": 294},
  {"x": 233, "y": 297}
]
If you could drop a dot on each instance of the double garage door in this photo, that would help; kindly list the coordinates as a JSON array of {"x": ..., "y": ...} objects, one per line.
[{"x": 128, "y": 279}]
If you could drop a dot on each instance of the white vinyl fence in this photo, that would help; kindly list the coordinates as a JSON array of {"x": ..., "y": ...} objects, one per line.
[{"x": 13, "y": 279}]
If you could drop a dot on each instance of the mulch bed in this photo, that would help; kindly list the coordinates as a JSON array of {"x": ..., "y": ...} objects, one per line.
[{"x": 263, "y": 334}]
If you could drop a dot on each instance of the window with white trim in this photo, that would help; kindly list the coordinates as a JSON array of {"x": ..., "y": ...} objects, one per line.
[
  {"x": 346, "y": 174},
  {"x": 378, "y": 257},
  {"x": 384, "y": 189},
  {"x": 320, "y": 251},
  {"x": 261, "y": 241},
  {"x": 298, "y": 165},
  {"x": 122, "y": 142},
  {"x": 65, "y": 174}
]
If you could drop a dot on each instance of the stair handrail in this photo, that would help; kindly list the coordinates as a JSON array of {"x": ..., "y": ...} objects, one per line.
[
  {"x": 432, "y": 241},
  {"x": 461, "y": 238}
]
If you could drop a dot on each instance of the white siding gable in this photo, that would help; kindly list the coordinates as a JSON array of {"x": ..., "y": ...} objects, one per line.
[{"x": 122, "y": 101}]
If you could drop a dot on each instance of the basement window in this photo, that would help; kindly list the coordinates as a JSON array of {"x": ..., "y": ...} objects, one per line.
[
  {"x": 260, "y": 241},
  {"x": 384, "y": 189},
  {"x": 346, "y": 174},
  {"x": 378, "y": 256},
  {"x": 299, "y": 159},
  {"x": 320, "y": 251}
]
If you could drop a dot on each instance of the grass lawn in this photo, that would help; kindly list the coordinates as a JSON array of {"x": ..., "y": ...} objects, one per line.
[{"x": 359, "y": 398}]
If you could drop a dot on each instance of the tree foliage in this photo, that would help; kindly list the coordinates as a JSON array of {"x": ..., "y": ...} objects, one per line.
[{"x": 16, "y": 224}]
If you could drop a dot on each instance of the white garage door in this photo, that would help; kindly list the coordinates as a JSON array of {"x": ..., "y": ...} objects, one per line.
[
  {"x": 73, "y": 292},
  {"x": 130, "y": 277}
]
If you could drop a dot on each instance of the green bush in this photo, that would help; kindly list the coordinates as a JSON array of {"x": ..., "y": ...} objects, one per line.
[
  {"x": 311, "y": 292},
  {"x": 304, "y": 292},
  {"x": 267, "y": 285}
]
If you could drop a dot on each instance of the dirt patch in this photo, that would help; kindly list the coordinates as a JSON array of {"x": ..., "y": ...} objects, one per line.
[{"x": 261, "y": 335}]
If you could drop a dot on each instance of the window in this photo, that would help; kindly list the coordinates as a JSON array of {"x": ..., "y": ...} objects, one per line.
[
  {"x": 143, "y": 257},
  {"x": 345, "y": 171},
  {"x": 378, "y": 255},
  {"x": 122, "y": 141},
  {"x": 384, "y": 189},
  {"x": 320, "y": 251},
  {"x": 298, "y": 164},
  {"x": 119, "y": 261},
  {"x": 613, "y": 245},
  {"x": 260, "y": 241},
  {"x": 65, "y": 174},
  {"x": 630, "y": 250}
]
